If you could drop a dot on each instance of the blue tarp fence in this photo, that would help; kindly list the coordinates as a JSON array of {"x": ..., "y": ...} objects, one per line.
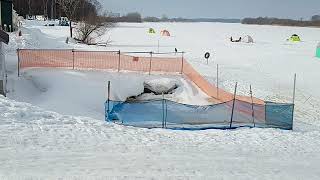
[{"x": 172, "y": 115}]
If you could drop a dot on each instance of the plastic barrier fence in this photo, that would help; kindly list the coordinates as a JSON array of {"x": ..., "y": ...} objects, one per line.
[
  {"x": 146, "y": 62},
  {"x": 268, "y": 114},
  {"x": 172, "y": 115}
]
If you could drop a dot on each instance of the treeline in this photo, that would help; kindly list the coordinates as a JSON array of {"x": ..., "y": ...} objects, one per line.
[
  {"x": 52, "y": 9},
  {"x": 137, "y": 18},
  {"x": 280, "y": 22},
  {"x": 165, "y": 19},
  {"x": 134, "y": 17}
]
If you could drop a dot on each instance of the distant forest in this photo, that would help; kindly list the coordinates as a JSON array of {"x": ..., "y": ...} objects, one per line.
[
  {"x": 166, "y": 19},
  {"x": 313, "y": 22}
]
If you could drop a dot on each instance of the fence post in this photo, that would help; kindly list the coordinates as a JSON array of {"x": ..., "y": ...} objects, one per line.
[
  {"x": 18, "y": 52},
  {"x": 150, "y": 64},
  {"x": 166, "y": 114},
  {"x": 182, "y": 63},
  {"x": 294, "y": 96},
  {"x": 217, "y": 81},
  {"x": 108, "y": 100},
  {"x": 254, "y": 124},
  {"x": 119, "y": 58},
  {"x": 73, "y": 59},
  {"x": 234, "y": 101},
  {"x": 294, "y": 88},
  {"x": 163, "y": 110}
]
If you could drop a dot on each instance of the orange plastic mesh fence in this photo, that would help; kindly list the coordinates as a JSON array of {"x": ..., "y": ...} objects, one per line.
[
  {"x": 114, "y": 61},
  {"x": 96, "y": 60},
  {"x": 45, "y": 58}
]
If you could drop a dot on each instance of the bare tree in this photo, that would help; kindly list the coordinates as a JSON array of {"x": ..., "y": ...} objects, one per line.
[
  {"x": 91, "y": 28},
  {"x": 45, "y": 7},
  {"x": 29, "y": 6},
  {"x": 69, "y": 7},
  {"x": 53, "y": 3}
]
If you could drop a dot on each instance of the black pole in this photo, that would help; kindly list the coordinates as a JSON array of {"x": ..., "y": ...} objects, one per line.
[
  {"x": 234, "y": 101},
  {"x": 253, "y": 120},
  {"x": 108, "y": 100}
]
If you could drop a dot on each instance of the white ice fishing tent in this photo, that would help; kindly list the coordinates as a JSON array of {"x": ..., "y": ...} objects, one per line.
[{"x": 247, "y": 39}]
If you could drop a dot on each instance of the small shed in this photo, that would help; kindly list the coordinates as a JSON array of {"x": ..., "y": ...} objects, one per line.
[{"x": 6, "y": 15}]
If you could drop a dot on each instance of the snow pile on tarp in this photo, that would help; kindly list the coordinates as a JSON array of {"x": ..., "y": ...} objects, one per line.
[{"x": 161, "y": 85}]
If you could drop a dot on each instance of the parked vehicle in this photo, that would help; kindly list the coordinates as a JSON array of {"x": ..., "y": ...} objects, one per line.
[{"x": 63, "y": 21}]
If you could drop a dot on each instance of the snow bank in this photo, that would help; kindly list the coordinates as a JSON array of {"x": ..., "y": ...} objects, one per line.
[
  {"x": 37, "y": 144},
  {"x": 161, "y": 85},
  {"x": 83, "y": 93}
]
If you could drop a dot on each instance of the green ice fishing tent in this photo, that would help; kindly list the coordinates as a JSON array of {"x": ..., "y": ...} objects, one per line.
[
  {"x": 318, "y": 51},
  {"x": 295, "y": 38},
  {"x": 152, "y": 31}
]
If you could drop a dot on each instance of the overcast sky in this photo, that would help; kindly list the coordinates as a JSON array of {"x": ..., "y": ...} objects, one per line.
[{"x": 217, "y": 8}]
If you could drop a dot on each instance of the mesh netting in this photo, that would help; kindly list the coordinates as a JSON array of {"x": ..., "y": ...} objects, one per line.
[
  {"x": 168, "y": 114},
  {"x": 248, "y": 111}
]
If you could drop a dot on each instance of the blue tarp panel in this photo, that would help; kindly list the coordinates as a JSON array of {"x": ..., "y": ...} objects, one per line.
[{"x": 168, "y": 114}]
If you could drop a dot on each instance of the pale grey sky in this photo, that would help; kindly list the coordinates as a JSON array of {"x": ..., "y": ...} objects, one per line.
[{"x": 217, "y": 8}]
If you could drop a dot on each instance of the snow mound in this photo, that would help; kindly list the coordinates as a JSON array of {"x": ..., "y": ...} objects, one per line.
[{"x": 161, "y": 85}]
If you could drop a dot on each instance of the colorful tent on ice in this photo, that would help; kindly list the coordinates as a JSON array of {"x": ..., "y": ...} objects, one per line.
[
  {"x": 151, "y": 31},
  {"x": 165, "y": 33},
  {"x": 318, "y": 51},
  {"x": 247, "y": 39},
  {"x": 295, "y": 38}
]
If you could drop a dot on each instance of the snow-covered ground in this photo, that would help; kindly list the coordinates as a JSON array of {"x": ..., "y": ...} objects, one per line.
[{"x": 78, "y": 144}]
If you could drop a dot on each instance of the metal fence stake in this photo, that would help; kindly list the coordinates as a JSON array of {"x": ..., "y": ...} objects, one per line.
[
  {"x": 252, "y": 107},
  {"x": 150, "y": 63},
  {"x": 119, "y": 61},
  {"x": 234, "y": 101}
]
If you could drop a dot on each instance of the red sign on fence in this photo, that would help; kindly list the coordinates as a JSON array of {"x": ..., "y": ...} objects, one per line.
[{"x": 136, "y": 59}]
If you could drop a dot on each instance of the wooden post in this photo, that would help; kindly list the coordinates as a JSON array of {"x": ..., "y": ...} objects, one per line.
[
  {"x": 252, "y": 107},
  {"x": 234, "y": 101}
]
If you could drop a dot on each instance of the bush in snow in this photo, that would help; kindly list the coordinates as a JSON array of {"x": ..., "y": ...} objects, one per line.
[{"x": 91, "y": 28}]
